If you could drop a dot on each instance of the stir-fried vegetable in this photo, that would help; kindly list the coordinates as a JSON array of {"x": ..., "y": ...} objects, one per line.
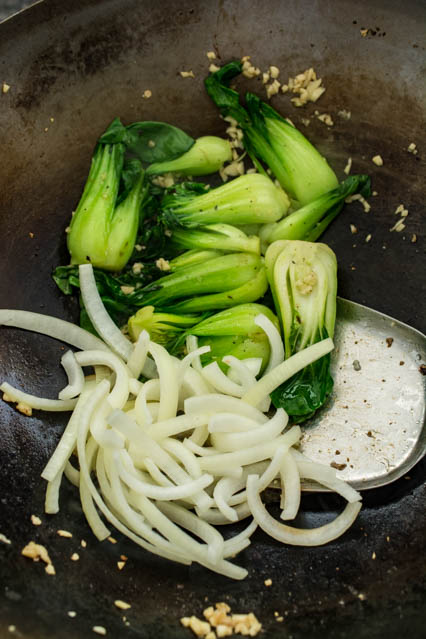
[
  {"x": 104, "y": 226},
  {"x": 297, "y": 165},
  {"x": 219, "y": 441},
  {"x": 249, "y": 199},
  {"x": 192, "y": 248},
  {"x": 163, "y": 328},
  {"x": 207, "y": 155},
  {"x": 235, "y": 332},
  {"x": 309, "y": 221},
  {"x": 303, "y": 280},
  {"x": 217, "y": 237},
  {"x": 220, "y": 282}
]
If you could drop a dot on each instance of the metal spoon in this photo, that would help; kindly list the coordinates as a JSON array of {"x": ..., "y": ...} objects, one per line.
[{"x": 373, "y": 427}]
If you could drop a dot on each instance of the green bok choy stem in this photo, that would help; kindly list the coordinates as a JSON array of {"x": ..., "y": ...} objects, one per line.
[{"x": 303, "y": 280}]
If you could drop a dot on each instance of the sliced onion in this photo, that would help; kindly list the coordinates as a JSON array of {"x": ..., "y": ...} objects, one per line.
[
  {"x": 199, "y": 436},
  {"x": 231, "y": 423},
  {"x": 215, "y": 517},
  {"x": 197, "y": 526},
  {"x": 192, "y": 384},
  {"x": 98, "y": 315},
  {"x": 75, "y": 376},
  {"x": 72, "y": 474},
  {"x": 169, "y": 493},
  {"x": 120, "y": 392},
  {"x": 322, "y": 475},
  {"x": 138, "y": 356},
  {"x": 219, "y": 495},
  {"x": 192, "y": 346},
  {"x": 246, "y": 379},
  {"x": 290, "y": 486},
  {"x": 192, "y": 356},
  {"x": 254, "y": 364},
  {"x": 229, "y": 442},
  {"x": 135, "y": 386},
  {"x": 150, "y": 448},
  {"x": 220, "y": 464},
  {"x": 276, "y": 345},
  {"x": 67, "y": 443},
  {"x": 51, "y": 502},
  {"x": 52, "y": 327},
  {"x": 220, "y": 382},
  {"x": 215, "y": 403},
  {"x": 135, "y": 527},
  {"x": 169, "y": 387},
  {"x": 38, "y": 403},
  {"x": 298, "y": 536},
  {"x": 287, "y": 369},
  {"x": 175, "y": 426},
  {"x": 183, "y": 455},
  {"x": 235, "y": 544}
]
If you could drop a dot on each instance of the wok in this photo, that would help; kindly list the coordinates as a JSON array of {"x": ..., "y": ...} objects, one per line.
[{"x": 72, "y": 67}]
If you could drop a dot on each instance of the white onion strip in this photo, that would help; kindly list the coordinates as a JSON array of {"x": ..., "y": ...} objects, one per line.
[
  {"x": 152, "y": 449},
  {"x": 87, "y": 484},
  {"x": 52, "y": 327},
  {"x": 98, "y": 315},
  {"x": 160, "y": 492},
  {"x": 246, "y": 379},
  {"x": 322, "y": 475},
  {"x": 138, "y": 356},
  {"x": 220, "y": 382},
  {"x": 120, "y": 392},
  {"x": 175, "y": 426},
  {"x": 290, "y": 487},
  {"x": 136, "y": 527},
  {"x": 230, "y": 423},
  {"x": 169, "y": 387},
  {"x": 276, "y": 345},
  {"x": 235, "y": 544},
  {"x": 67, "y": 443},
  {"x": 38, "y": 403},
  {"x": 220, "y": 464},
  {"x": 197, "y": 526},
  {"x": 287, "y": 369},
  {"x": 75, "y": 376},
  {"x": 254, "y": 364},
  {"x": 215, "y": 403},
  {"x": 298, "y": 536},
  {"x": 229, "y": 442},
  {"x": 183, "y": 455}
]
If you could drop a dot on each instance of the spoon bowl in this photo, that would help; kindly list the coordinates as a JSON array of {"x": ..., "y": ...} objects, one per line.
[{"x": 373, "y": 427}]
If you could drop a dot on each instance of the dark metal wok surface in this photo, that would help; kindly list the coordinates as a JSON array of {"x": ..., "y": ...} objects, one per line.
[{"x": 72, "y": 67}]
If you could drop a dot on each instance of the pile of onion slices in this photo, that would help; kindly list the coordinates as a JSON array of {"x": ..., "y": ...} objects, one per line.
[{"x": 166, "y": 460}]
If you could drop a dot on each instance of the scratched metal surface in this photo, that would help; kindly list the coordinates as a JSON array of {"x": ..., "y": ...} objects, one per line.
[
  {"x": 72, "y": 67},
  {"x": 373, "y": 427}
]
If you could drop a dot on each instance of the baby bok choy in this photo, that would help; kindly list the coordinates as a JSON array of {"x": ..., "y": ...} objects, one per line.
[
  {"x": 303, "y": 279},
  {"x": 229, "y": 332},
  {"x": 218, "y": 283},
  {"x": 249, "y": 199},
  {"x": 207, "y": 155},
  {"x": 234, "y": 332},
  {"x": 223, "y": 237},
  {"x": 268, "y": 137},
  {"x": 104, "y": 226},
  {"x": 163, "y": 328},
  {"x": 310, "y": 221}
]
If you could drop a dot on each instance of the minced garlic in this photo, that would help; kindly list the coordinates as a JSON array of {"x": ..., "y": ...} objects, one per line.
[{"x": 162, "y": 264}]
